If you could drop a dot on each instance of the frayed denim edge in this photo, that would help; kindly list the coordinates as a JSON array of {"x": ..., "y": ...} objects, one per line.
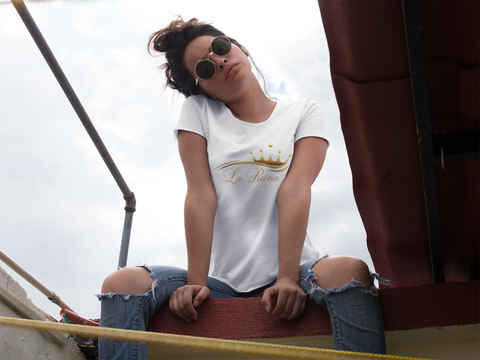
[
  {"x": 126, "y": 297},
  {"x": 350, "y": 285}
]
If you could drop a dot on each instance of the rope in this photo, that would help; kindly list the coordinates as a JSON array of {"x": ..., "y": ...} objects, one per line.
[{"x": 199, "y": 343}]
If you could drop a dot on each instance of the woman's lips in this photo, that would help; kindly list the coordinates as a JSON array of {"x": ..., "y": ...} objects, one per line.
[{"x": 230, "y": 70}]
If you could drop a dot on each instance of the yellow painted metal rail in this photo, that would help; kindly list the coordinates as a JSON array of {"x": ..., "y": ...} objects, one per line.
[{"x": 199, "y": 343}]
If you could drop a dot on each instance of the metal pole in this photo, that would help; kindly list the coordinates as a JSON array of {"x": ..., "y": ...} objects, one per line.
[
  {"x": 82, "y": 114},
  {"x": 413, "y": 33},
  {"x": 127, "y": 229},
  {"x": 42, "y": 288}
]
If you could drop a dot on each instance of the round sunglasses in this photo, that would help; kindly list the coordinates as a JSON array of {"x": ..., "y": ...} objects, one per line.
[{"x": 205, "y": 68}]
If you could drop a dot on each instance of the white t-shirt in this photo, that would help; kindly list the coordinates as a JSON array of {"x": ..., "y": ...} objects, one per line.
[{"x": 248, "y": 163}]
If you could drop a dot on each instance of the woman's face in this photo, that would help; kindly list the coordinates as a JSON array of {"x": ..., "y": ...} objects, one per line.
[{"x": 233, "y": 71}]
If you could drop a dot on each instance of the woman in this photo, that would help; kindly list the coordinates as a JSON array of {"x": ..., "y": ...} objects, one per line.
[{"x": 250, "y": 163}]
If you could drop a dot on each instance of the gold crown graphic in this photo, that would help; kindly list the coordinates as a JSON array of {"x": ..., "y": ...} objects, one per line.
[
  {"x": 275, "y": 166},
  {"x": 270, "y": 161}
]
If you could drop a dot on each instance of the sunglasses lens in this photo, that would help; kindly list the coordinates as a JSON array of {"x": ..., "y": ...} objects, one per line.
[
  {"x": 221, "y": 46},
  {"x": 205, "y": 69}
]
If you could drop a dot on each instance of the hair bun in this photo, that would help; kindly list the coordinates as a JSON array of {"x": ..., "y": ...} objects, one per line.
[{"x": 171, "y": 37}]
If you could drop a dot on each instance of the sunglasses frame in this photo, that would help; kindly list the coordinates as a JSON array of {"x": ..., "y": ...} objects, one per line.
[{"x": 208, "y": 59}]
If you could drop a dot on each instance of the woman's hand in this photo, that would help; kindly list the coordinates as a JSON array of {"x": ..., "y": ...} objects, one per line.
[
  {"x": 185, "y": 299},
  {"x": 286, "y": 298}
]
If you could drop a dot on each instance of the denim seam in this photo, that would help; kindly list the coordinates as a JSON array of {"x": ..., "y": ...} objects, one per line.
[
  {"x": 336, "y": 336},
  {"x": 137, "y": 326},
  {"x": 137, "y": 323}
]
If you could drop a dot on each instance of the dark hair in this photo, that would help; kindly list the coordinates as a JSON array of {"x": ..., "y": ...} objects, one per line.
[{"x": 173, "y": 40}]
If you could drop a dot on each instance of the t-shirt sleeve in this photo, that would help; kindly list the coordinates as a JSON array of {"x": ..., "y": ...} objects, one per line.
[
  {"x": 191, "y": 117},
  {"x": 312, "y": 122}
]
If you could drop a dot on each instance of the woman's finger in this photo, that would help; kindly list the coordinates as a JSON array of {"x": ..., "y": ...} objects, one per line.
[
  {"x": 298, "y": 308},
  {"x": 185, "y": 303},
  {"x": 269, "y": 299},
  {"x": 174, "y": 306},
  {"x": 282, "y": 301},
  {"x": 290, "y": 298},
  {"x": 177, "y": 304},
  {"x": 202, "y": 295}
]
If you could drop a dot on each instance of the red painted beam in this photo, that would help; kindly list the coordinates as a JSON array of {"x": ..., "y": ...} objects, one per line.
[
  {"x": 432, "y": 305},
  {"x": 403, "y": 308},
  {"x": 241, "y": 319}
]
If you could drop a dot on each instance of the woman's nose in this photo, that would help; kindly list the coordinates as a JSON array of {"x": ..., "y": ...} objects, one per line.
[{"x": 220, "y": 62}]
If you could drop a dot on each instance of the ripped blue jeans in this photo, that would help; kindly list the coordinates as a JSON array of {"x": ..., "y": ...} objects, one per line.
[{"x": 355, "y": 315}]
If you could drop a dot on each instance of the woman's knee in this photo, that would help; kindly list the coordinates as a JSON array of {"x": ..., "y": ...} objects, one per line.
[
  {"x": 336, "y": 271},
  {"x": 127, "y": 281}
]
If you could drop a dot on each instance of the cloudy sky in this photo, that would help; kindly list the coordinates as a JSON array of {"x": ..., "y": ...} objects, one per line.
[{"x": 61, "y": 216}]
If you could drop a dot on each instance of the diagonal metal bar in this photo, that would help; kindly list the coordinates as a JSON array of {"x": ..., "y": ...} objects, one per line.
[
  {"x": 413, "y": 30},
  {"x": 84, "y": 118},
  {"x": 34, "y": 282}
]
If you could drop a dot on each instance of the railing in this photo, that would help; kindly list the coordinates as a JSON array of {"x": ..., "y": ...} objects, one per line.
[{"x": 82, "y": 114}]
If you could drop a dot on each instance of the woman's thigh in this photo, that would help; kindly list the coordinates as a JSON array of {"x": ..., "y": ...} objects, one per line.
[{"x": 168, "y": 279}]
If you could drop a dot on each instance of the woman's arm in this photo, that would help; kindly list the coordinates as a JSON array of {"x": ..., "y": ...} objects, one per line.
[
  {"x": 293, "y": 201},
  {"x": 200, "y": 210}
]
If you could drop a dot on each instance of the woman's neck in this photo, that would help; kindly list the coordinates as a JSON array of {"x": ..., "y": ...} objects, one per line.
[{"x": 253, "y": 106}]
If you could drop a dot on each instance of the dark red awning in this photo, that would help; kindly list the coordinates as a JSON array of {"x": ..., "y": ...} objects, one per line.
[{"x": 412, "y": 238}]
